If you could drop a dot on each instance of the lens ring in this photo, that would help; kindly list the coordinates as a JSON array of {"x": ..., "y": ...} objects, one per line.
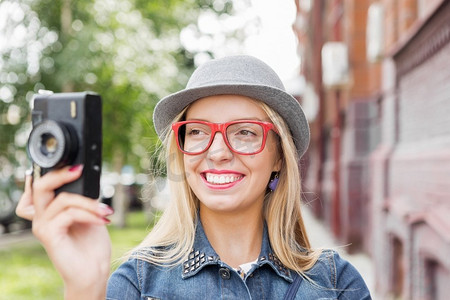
[{"x": 37, "y": 136}]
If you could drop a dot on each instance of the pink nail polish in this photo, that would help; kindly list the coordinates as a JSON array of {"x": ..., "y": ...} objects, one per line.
[
  {"x": 76, "y": 168},
  {"x": 106, "y": 220},
  {"x": 105, "y": 210}
]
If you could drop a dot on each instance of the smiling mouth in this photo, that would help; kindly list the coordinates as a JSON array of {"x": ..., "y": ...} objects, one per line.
[{"x": 221, "y": 178}]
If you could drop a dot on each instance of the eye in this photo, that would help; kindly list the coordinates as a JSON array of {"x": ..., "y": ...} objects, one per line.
[
  {"x": 197, "y": 130},
  {"x": 194, "y": 131},
  {"x": 246, "y": 132}
]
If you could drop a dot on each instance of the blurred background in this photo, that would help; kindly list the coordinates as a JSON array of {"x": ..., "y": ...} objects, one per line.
[
  {"x": 373, "y": 77},
  {"x": 130, "y": 52}
]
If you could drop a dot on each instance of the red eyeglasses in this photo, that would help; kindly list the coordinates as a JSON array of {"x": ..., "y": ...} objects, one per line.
[{"x": 246, "y": 137}]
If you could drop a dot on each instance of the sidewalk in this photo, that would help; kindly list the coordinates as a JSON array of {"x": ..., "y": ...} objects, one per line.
[
  {"x": 16, "y": 238},
  {"x": 320, "y": 236}
]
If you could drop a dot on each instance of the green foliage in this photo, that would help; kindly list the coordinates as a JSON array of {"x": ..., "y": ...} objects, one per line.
[
  {"x": 27, "y": 273},
  {"x": 127, "y": 50}
]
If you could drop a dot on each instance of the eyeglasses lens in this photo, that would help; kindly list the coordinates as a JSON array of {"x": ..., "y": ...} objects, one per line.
[
  {"x": 243, "y": 137},
  {"x": 194, "y": 137}
]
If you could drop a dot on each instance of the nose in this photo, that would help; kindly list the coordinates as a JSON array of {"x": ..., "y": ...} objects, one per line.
[{"x": 219, "y": 149}]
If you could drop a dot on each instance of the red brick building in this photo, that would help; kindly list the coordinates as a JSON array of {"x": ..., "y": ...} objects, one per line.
[{"x": 379, "y": 162}]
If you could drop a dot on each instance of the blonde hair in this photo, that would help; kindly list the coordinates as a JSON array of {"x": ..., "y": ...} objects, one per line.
[
  {"x": 172, "y": 238},
  {"x": 282, "y": 211}
]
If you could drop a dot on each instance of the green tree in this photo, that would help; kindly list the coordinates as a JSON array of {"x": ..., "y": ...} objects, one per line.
[{"x": 128, "y": 51}]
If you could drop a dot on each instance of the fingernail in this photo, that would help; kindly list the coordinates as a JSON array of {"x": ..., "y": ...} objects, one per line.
[
  {"x": 29, "y": 172},
  {"x": 106, "y": 220},
  {"x": 76, "y": 168},
  {"x": 105, "y": 210}
]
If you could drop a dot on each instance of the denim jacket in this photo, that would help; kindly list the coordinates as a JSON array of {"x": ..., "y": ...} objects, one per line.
[{"x": 204, "y": 276}]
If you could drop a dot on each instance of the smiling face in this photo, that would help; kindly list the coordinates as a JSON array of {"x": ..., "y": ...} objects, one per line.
[{"x": 222, "y": 180}]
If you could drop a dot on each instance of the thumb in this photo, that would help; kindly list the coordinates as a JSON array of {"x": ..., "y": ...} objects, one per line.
[{"x": 25, "y": 207}]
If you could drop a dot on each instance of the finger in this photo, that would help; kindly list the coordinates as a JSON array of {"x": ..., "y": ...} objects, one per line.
[
  {"x": 45, "y": 186},
  {"x": 75, "y": 215},
  {"x": 25, "y": 207},
  {"x": 65, "y": 201},
  {"x": 63, "y": 222},
  {"x": 58, "y": 177}
]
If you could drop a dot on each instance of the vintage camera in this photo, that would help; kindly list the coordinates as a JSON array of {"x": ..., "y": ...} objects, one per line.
[{"x": 67, "y": 130}]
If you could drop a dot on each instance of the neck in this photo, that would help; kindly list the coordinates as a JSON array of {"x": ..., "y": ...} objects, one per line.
[{"x": 236, "y": 238}]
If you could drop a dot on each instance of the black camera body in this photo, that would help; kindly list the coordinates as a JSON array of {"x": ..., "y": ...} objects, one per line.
[{"x": 67, "y": 130}]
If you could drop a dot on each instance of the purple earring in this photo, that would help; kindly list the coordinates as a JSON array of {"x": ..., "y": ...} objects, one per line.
[{"x": 273, "y": 183}]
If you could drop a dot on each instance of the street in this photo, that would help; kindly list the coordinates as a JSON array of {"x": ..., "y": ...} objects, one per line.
[{"x": 321, "y": 237}]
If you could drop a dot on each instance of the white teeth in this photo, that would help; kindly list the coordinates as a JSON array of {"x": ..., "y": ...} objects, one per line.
[{"x": 221, "y": 179}]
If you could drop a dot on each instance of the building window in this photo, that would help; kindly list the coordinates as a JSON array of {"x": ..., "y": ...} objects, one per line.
[
  {"x": 375, "y": 32},
  {"x": 398, "y": 268},
  {"x": 435, "y": 278},
  {"x": 431, "y": 268}
]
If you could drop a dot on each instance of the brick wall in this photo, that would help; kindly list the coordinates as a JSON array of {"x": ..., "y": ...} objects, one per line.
[
  {"x": 424, "y": 101},
  {"x": 391, "y": 201},
  {"x": 412, "y": 164}
]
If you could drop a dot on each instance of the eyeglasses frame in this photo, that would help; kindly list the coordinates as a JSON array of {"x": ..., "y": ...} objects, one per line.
[{"x": 221, "y": 127}]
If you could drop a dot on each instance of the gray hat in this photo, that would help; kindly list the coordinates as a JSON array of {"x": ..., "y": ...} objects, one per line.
[{"x": 237, "y": 75}]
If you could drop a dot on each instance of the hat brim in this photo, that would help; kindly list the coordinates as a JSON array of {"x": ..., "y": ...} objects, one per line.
[{"x": 280, "y": 101}]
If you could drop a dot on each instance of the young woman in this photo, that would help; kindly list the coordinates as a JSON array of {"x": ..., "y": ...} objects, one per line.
[{"x": 233, "y": 227}]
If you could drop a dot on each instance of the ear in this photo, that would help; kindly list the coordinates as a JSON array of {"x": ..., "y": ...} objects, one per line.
[{"x": 277, "y": 165}]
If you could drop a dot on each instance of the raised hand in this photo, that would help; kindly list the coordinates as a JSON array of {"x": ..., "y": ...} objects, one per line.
[{"x": 71, "y": 229}]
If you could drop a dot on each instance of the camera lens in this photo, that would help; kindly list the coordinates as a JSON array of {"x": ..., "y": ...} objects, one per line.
[
  {"x": 49, "y": 144},
  {"x": 52, "y": 144}
]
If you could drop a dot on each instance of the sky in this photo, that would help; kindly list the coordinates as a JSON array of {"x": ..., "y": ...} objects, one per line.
[
  {"x": 267, "y": 25},
  {"x": 276, "y": 43}
]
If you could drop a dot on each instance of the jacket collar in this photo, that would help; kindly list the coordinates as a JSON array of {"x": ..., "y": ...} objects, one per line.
[{"x": 203, "y": 254}]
